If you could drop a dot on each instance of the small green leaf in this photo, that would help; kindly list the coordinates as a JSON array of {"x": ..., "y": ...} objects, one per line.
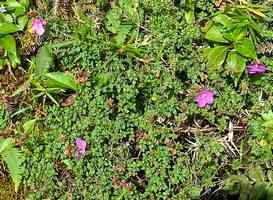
[
  {"x": 29, "y": 126},
  {"x": 60, "y": 80},
  {"x": 246, "y": 48},
  {"x": 216, "y": 56},
  {"x": 215, "y": 34}
]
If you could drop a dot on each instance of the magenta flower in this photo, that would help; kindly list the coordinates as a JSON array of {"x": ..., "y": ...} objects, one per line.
[
  {"x": 204, "y": 98},
  {"x": 256, "y": 68},
  {"x": 81, "y": 148},
  {"x": 38, "y": 26}
]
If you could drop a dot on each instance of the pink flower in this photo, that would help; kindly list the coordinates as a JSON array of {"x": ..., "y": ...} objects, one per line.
[
  {"x": 204, "y": 98},
  {"x": 256, "y": 68},
  {"x": 38, "y": 26},
  {"x": 81, "y": 147}
]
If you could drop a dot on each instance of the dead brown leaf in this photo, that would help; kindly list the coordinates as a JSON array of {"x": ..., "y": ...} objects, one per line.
[
  {"x": 69, "y": 101},
  {"x": 82, "y": 76},
  {"x": 69, "y": 196},
  {"x": 69, "y": 151}
]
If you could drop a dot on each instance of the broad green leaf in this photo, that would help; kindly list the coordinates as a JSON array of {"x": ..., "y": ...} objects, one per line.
[
  {"x": 243, "y": 23},
  {"x": 235, "y": 63},
  {"x": 25, "y": 3},
  {"x": 189, "y": 16},
  {"x": 22, "y": 21},
  {"x": 255, "y": 26},
  {"x": 43, "y": 60},
  {"x": 240, "y": 33},
  {"x": 224, "y": 20},
  {"x": 29, "y": 126},
  {"x": 61, "y": 80},
  {"x": 216, "y": 56},
  {"x": 236, "y": 34},
  {"x": 6, "y": 28},
  {"x": 8, "y": 43},
  {"x": 19, "y": 9},
  {"x": 215, "y": 34},
  {"x": 6, "y": 18},
  {"x": 246, "y": 48}
]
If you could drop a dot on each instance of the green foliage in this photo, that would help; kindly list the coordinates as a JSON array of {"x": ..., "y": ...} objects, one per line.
[
  {"x": 234, "y": 34},
  {"x": 140, "y": 67},
  {"x": 255, "y": 186},
  {"x": 261, "y": 129},
  {"x": 13, "y": 159},
  {"x": 47, "y": 83},
  {"x": 12, "y": 20}
]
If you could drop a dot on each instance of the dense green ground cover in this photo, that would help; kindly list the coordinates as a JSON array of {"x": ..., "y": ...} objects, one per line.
[{"x": 139, "y": 65}]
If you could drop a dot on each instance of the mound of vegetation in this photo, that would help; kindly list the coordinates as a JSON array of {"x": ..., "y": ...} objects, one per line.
[{"x": 137, "y": 99}]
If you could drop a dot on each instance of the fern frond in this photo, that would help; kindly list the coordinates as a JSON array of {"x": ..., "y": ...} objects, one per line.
[{"x": 13, "y": 159}]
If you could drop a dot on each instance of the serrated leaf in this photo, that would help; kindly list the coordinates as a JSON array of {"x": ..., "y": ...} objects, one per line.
[
  {"x": 122, "y": 34},
  {"x": 60, "y": 80},
  {"x": 113, "y": 21},
  {"x": 246, "y": 48},
  {"x": 215, "y": 34},
  {"x": 13, "y": 159}
]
